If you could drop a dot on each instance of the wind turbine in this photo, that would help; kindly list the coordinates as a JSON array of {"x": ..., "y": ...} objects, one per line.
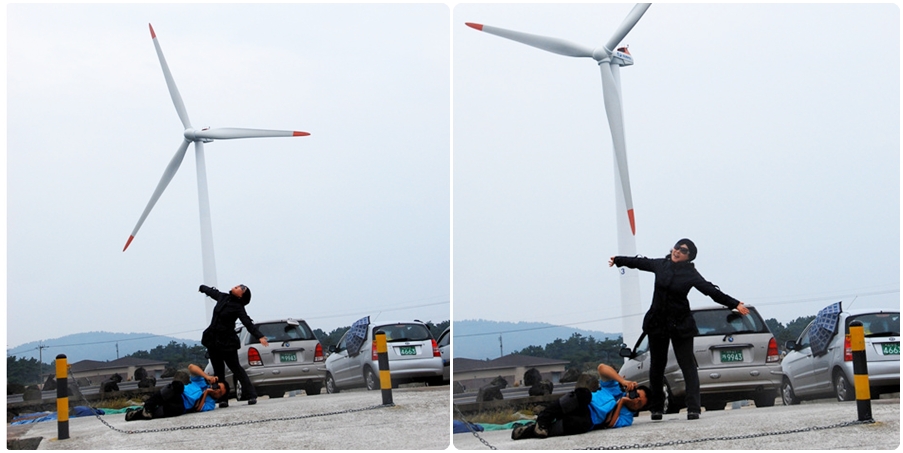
[
  {"x": 198, "y": 137},
  {"x": 610, "y": 59}
]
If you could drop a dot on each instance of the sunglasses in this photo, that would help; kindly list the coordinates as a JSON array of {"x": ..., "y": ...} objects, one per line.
[{"x": 683, "y": 250}]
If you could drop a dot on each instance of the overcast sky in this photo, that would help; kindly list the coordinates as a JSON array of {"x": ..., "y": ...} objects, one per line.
[
  {"x": 767, "y": 134},
  {"x": 350, "y": 221}
]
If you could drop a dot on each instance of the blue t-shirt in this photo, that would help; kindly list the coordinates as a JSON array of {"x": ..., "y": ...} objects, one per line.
[
  {"x": 192, "y": 393},
  {"x": 605, "y": 400}
]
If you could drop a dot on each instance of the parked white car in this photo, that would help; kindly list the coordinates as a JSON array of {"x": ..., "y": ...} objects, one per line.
[
  {"x": 737, "y": 358},
  {"x": 413, "y": 356},
  {"x": 831, "y": 374}
]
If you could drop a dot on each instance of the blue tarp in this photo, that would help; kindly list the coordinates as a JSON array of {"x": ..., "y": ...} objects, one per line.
[{"x": 35, "y": 417}]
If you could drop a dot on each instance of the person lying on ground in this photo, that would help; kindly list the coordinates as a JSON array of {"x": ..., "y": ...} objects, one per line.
[
  {"x": 198, "y": 395},
  {"x": 580, "y": 411}
]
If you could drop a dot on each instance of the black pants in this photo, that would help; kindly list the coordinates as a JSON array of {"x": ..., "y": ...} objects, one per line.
[
  {"x": 568, "y": 415},
  {"x": 658, "y": 358},
  {"x": 166, "y": 402},
  {"x": 220, "y": 359}
]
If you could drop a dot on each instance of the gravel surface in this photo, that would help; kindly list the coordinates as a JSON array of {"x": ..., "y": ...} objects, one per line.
[
  {"x": 419, "y": 420},
  {"x": 747, "y": 421}
]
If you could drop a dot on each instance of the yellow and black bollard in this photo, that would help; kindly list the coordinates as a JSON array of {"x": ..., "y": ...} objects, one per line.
[
  {"x": 385, "y": 379},
  {"x": 860, "y": 372},
  {"x": 62, "y": 397}
]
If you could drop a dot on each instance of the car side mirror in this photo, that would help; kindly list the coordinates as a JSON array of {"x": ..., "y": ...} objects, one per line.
[
  {"x": 626, "y": 352},
  {"x": 331, "y": 348},
  {"x": 790, "y": 345}
]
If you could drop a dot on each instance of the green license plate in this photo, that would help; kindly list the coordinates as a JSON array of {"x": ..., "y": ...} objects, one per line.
[
  {"x": 407, "y": 350},
  {"x": 288, "y": 357},
  {"x": 731, "y": 356},
  {"x": 890, "y": 348}
]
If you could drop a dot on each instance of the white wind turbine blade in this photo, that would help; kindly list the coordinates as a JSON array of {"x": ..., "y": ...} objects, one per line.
[
  {"x": 614, "y": 112},
  {"x": 635, "y": 14},
  {"x": 225, "y": 133},
  {"x": 554, "y": 45},
  {"x": 170, "y": 83},
  {"x": 208, "y": 259},
  {"x": 170, "y": 171}
]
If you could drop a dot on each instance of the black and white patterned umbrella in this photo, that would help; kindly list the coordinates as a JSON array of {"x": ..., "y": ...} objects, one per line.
[{"x": 825, "y": 328}]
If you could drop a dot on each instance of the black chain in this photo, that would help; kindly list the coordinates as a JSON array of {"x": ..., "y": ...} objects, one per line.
[
  {"x": 726, "y": 438},
  {"x": 216, "y": 425},
  {"x": 467, "y": 424}
]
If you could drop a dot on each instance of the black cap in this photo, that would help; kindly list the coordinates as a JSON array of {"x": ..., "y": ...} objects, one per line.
[{"x": 690, "y": 245}]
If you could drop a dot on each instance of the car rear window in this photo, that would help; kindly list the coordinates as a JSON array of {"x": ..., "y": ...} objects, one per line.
[
  {"x": 404, "y": 332},
  {"x": 878, "y": 324},
  {"x": 723, "y": 322},
  {"x": 283, "y": 331}
]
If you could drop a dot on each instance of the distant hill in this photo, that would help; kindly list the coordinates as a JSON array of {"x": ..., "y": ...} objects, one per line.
[
  {"x": 479, "y": 339},
  {"x": 100, "y": 346}
]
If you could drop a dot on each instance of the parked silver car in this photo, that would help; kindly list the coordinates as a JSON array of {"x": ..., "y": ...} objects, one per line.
[
  {"x": 831, "y": 374},
  {"x": 444, "y": 343},
  {"x": 413, "y": 355},
  {"x": 737, "y": 358},
  {"x": 294, "y": 359}
]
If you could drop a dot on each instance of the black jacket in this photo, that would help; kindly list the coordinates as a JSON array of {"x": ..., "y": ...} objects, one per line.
[
  {"x": 222, "y": 327},
  {"x": 670, "y": 311}
]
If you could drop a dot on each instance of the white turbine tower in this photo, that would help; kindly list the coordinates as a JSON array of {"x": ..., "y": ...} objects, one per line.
[
  {"x": 198, "y": 137},
  {"x": 610, "y": 59}
]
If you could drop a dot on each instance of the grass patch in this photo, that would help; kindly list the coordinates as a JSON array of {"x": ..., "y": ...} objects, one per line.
[
  {"x": 504, "y": 416},
  {"x": 119, "y": 403}
]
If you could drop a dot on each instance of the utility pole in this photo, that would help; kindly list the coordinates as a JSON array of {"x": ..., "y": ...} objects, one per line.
[
  {"x": 41, "y": 348},
  {"x": 501, "y": 351}
]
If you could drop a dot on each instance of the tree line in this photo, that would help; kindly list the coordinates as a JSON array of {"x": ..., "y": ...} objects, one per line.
[
  {"x": 585, "y": 353},
  {"x": 24, "y": 372}
]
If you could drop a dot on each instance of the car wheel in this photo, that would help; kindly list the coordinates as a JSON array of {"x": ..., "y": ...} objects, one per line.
[
  {"x": 239, "y": 392},
  {"x": 842, "y": 387},
  {"x": 330, "y": 384},
  {"x": 371, "y": 379},
  {"x": 765, "y": 399},
  {"x": 670, "y": 405},
  {"x": 787, "y": 396},
  {"x": 313, "y": 388}
]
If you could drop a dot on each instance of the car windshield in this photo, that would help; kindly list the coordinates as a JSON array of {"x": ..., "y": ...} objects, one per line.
[
  {"x": 724, "y": 322},
  {"x": 878, "y": 324},
  {"x": 404, "y": 332},
  {"x": 283, "y": 331}
]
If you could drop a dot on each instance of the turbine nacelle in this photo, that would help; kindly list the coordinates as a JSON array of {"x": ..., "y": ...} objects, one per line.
[
  {"x": 620, "y": 56},
  {"x": 191, "y": 134}
]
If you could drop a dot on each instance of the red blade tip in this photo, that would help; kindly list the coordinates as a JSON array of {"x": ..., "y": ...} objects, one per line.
[
  {"x": 474, "y": 26},
  {"x": 300, "y": 134},
  {"x": 632, "y": 221},
  {"x": 128, "y": 242},
  {"x": 153, "y": 35}
]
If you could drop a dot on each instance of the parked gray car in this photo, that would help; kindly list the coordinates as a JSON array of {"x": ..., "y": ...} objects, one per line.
[
  {"x": 294, "y": 359},
  {"x": 413, "y": 356},
  {"x": 737, "y": 358},
  {"x": 444, "y": 343},
  {"x": 831, "y": 374}
]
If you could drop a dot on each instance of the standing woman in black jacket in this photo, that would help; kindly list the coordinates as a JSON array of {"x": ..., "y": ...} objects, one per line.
[
  {"x": 669, "y": 319},
  {"x": 222, "y": 342}
]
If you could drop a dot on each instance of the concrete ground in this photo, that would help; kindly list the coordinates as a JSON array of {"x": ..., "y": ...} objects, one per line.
[
  {"x": 746, "y": 421},
  {"x": 420, "y": 420}
]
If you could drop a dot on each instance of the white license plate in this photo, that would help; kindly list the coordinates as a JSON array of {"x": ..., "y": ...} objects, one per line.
[
  {"x": 890, "y": 348},
  {"x": 731, "y": 356},
  {"x": 407, "y": 350},
  {"x": 288, "y": 357}
]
